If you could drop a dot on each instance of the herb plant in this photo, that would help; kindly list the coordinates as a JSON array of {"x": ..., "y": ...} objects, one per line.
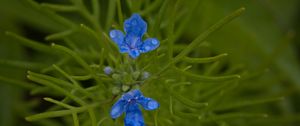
[{"x": 194, "y": 63}]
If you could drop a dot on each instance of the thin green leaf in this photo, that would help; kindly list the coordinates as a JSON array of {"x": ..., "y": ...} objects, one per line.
[
  {"x": 31, "y": 44},
  {"x": 53, "y": 79},
  {"x": 22, "y": 84},
  {"x": 57, "y": 7},
  {"x": 151, "y": 7},
  {"x": 58, "y": 63},
  {"x": 59, "y": 113},
  {"x": 92, "y": 116},
  {"x": 78, "y": 59},
  {"x": 55, "y": 87},
  {"x": 62, "y": 83},
  {"x": 74, "y": 55},
  {"x": 22, "y": 64},
  {"x": 201, "y": 38},
  {"x": 158, "y": 20},
  {"x": 66, "y": 75},
  {"x": 246, "y": 103},
  {"x": 96, "y": 9},
  {"x": 82, "y": 78},
  {"x": 208, "y": 32},
  {"x": 213, "y": 91},
  {"x": 75, "y": 119},
  {"x": 60, "y": 35},
  {"x": 156, "y": 118},
  {"x": 120, "y": 14},
  {"x": 212, "y": 69},
  {"x": 184, "y": 100},
  {"x": 59, "y": 103},
  {"x": 207, "y": 78},
  {"x": 204, "y": 60},
  {"x": 66, "y": 23},
  {"x": 91, "y": 32},
  {"x": 110, "y": 13},
  {"x": 102, "y": 120},
  {"x": 233, "y": 116}
]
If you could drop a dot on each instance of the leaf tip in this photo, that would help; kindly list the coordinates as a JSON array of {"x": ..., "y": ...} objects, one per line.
[
  {"x": 7, "y": 33},
  {"x": 28, "y": 118},
  {"x": 281, "y": 98},
  {"x": 243, "y": 8},
  {"x": 82, "y": 25},
  {"x": 205, "y": 104},
  {"x": 48, "y": 38},
  {"x": 46, "y": 98},
  {"x": 52, "y": 44}
]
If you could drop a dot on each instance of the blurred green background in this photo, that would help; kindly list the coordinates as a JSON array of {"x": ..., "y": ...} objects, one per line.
[{"x": 264, "y": 38}]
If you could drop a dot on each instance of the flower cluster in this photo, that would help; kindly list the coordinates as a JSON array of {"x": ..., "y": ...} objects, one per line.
[
  {"x": 129, "y": 103},
  {"x": 125, "y": 80},
  {"x": 132, "y": 43}
]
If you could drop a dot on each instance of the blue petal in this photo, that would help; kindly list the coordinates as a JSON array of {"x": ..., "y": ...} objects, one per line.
[
  {"x": 134, "y": 53},
  {"x": 134, "y": 116},
  {"x": 136, "y": 93},
  {"x": 117, "y": 36},
  {"x": 133, "y": 41},
  {"x": 135, "y": 25},
  {"x": 131, "y": 95},
  {"x": 118, "y": 108},
  {"x": 124, "y": 48},
  {"x": 148, "y": 103},
  {"x": 149, "y": 45}
]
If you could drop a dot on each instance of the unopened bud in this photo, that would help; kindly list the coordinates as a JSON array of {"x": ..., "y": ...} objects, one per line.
[{"x": 108, "y": 70}]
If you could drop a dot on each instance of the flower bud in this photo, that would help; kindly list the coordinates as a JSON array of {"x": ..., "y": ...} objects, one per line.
[
  {"x": 116, "y": 90},
  {"x": 146, "y": 75},
  {"x": 108, "y": 70}
]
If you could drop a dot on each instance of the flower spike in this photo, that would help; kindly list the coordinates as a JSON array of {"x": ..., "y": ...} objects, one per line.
[{"x": 135, "y": 27}]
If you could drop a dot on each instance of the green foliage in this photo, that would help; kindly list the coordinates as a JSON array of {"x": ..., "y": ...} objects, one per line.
[{"x": 211, "y": 68}]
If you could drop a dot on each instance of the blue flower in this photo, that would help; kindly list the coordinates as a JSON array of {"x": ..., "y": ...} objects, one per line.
[
  {"x": 129, "y": 103},
  {"x": 132, "y": 43}
]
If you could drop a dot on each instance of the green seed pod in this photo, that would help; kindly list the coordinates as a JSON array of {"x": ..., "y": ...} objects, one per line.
[
  {"x": 136, "y": 75},
  {"x": 116, "y": 90},
  {"x": 116, "y": 76},
  {"x": 125, "y": 88},
  {"x": 127, "y": 78}
]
